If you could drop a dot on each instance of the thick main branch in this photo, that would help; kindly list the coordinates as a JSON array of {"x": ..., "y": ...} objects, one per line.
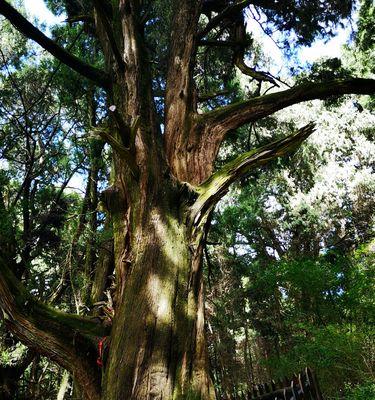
[
  {"x": 235, "y": 115},
  {"x": 180, "y": 99},
  {"x": 67, "y": 339},
  {"x": 101, "y": 78},
  {"x": 214, "y": 188}
]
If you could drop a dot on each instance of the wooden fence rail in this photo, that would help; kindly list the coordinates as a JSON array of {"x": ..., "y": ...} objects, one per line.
[{"x": 303, "y": 386}]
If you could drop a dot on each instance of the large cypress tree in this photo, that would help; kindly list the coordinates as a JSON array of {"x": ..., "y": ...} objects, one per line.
[{"x": 164, "y": 181}]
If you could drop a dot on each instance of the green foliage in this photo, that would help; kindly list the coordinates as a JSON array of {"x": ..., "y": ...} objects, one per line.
[
  {"x": 361, "y": 54},
  {"x": 337, "y": 353},
  {"x": 364, "y": 391},
  {"x": 308, "y": 19},
  {"x": 71, "y": 7},
  {"x": 365, "y": 38},
  {"x": 328, "y": 69},
  {"x": 291, "y": 277},
  {"x": 325, "y": 70}
]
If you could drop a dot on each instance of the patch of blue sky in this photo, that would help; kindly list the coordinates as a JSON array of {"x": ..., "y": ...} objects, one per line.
[
  {"x": 37, "y": 9},
  {"x": 303, "y": 56}
]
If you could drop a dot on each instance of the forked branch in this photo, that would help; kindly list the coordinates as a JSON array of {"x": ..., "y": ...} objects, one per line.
[
  {"x": 214, "y": 188},
  {"x": 99, "y": 77}
]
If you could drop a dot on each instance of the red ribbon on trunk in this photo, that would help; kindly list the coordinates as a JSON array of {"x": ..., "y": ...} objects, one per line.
[{"x": 99, "y": 360}]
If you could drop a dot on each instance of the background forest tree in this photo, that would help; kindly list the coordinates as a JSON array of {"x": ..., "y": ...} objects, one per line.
[{"x": 289, "y": 251}]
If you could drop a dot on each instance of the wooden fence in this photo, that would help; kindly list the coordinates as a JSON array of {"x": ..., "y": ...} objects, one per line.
[{"x": 303, "y": 386}]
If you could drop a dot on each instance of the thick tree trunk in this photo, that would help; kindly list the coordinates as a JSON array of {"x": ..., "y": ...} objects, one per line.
[
  {"x": 157, "y": 342},
  {"x": 157, "y": 348}
]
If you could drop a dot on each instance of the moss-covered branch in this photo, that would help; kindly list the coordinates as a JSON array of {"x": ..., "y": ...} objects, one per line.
[
  {"x": 214, "y": 188},
  {"x": 69, "y": 340},
  {"x": 235, "y": 115}
]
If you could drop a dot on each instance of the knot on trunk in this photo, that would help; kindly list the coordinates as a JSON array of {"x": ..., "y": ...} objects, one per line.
[{"x": 110, "y": 200}]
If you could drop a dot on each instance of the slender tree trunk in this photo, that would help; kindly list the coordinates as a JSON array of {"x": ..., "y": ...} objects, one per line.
[
  {"x": 248, "y": 357},
  {"x": 96, "y": 149},
  {"x": 64, "y": 386},
  {"x": 103, "y": 269}
]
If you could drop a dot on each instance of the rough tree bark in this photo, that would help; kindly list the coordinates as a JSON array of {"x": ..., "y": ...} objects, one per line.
[{"x": 162, "y": 194}]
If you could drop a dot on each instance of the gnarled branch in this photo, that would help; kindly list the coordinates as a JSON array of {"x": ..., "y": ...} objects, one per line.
[
  {"x": 239, "y": 32},
  {"x": 218, "y": 43},
  {"x": 214, "y": 188},
  {"x": 101, "y": 78},
  {"x": 67, "y": 339}
]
